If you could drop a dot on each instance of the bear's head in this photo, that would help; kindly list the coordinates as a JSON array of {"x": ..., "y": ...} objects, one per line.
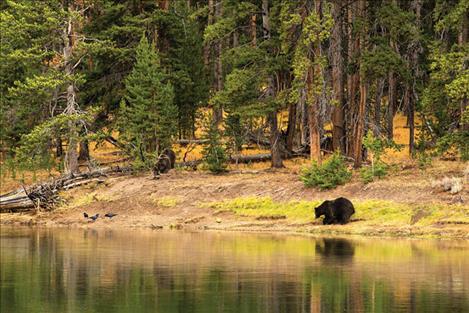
[{"x": 322, "y": 209}]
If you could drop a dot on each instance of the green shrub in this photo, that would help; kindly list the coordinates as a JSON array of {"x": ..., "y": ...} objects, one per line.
[
  {"x": 376, "y": 147},
  {"x": 330, "y": 174},
  {"x": 214, "y": 153},
  {"x": 369, "y": 173}
]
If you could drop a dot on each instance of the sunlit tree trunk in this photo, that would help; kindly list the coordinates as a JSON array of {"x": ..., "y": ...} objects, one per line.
[
  {"x": 338, "y": 130},
  {"x": 352, "y": 80},
  {"x": 360, "y": 125}
]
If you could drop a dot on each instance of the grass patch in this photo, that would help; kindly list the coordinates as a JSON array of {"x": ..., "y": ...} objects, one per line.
[
  {"x": 370, "y": 212},
  {"x": 88, "y": 198},
  {"x": 260, "y": 207},
  {"x": 167, "y": 202}
]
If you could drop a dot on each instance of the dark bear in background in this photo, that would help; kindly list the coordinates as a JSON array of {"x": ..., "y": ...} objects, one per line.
[
  {"x": 164, "y": 163},
  {"x": 337, "y": 211}
]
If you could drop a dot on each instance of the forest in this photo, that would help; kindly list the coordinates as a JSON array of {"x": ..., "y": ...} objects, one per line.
[
  {"x": 145, "y": 74},
  {"x": 234, "y": 156}
]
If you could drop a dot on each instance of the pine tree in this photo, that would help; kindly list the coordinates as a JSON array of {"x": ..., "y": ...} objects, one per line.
[{"x": 147, "y": 118}]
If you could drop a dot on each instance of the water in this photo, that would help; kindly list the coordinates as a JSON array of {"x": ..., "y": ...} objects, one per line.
[{"x": 61, "y": 270}]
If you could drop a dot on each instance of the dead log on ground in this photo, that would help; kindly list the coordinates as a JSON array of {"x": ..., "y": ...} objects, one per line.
[{"x": 45, "y": 195}]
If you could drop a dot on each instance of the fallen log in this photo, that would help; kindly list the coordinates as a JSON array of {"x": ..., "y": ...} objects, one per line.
[
  {"x": 245, "y": 159},
  {"x": 185, "y": 142},
  {"x": 242, "y": 159},
  {"x": 45, "y": 195}
]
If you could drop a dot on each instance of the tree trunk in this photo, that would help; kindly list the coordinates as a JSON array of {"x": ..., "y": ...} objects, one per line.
[
  {"x": 253, "y": 30},
  {"x": 359, "y": 132},
  {"x": 218, "y": 111},
  {"x": 377, "y": 108},
  {"x": 462, "y": 39},
  {"x": 275, "y": 144},
  {"x": 338, "y": 114},
  {"x": 207, "y": 46},
  {"x": 58, "y": 147},
  {"x": 304, "y": 119},
  {"x": 84, "y": 154},
  {"x": 392, "y": 104},
  {"x": 291, "y": 128},
  {"x": 315, "y": 77},
  {"x": 352, "y": 81},
  {"x": 71, "y": 156},
  {"x": 409, "y": 104}
]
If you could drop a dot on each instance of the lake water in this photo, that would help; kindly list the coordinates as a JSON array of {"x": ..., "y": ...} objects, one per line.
[{"x": 62, "y": 270}]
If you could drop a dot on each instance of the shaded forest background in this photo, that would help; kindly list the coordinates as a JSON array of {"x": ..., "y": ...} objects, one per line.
[{"x": 145, "y": 74}]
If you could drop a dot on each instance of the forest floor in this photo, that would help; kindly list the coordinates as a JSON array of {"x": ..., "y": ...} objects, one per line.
[{"x": 245, "y": 199}]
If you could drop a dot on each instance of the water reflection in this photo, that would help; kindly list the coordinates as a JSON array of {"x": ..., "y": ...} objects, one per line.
[
  {"x": 335, "y": 249},
  {"x": 130, "y": 271}
]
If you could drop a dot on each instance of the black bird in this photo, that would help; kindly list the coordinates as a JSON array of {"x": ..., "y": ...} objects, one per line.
[
  {"x": 94, "y": 217},
  {"x": 110, "y": 215},
  {"x": 86, "y": 215}
]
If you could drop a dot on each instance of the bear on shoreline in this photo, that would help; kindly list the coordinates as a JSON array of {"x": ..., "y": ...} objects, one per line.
[
  {"x": 164, "y": 163},
  {"x": 337, "y": 211}
]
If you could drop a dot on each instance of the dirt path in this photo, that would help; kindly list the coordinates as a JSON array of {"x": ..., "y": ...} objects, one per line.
[{"x": 181, "y": 200}]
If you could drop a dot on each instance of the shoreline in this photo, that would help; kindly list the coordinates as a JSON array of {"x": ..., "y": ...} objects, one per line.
[{"x": 403, "y": 205}]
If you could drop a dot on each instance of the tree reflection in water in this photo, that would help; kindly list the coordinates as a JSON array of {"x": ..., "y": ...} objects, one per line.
[{"x": 122, "y": 271}]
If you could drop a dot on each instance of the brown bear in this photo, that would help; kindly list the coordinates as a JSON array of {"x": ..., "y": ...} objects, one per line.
[
  {"x": 337, "y": 211},
  {"x": 164, "y": 163}
]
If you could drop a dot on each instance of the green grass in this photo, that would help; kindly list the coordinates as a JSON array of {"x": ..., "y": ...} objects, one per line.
[
  {"x": 372, "y": 212},
  {"x": 265, "y": 206},
  {"x": 167, "y": 202}
]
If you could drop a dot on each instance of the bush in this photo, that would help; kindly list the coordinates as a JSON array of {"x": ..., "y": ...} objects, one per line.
[
  {"x": 214, "y": 153},
  {"x": 369, "y": 173},
  {"x": 330, "y": 174}
]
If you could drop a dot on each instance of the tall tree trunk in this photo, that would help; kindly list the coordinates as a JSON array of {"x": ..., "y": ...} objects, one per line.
[
  {"x": 314, "y": 77},
  {"x": 275, "y": 144},
  {"x": 352, "y": 80},
  {"x": 411, "y": 96},
  {"x": 304, "y": 108},
  {"x": 338, "y": 114},
  {"x": 377, "y": 108},
  {"x": 207, "y": 45},
  {"x": 71, "y": 156},
  {"x": 360, "y": 125},
  {"x": 291, "y": 128},
  {"x": 253, "y": 30},
  {"x": 218, "y": 111},
  {"x": 392, "y": 104},
  {"x": 392, "y": 92},
  {"x": 462, "y": 39}
]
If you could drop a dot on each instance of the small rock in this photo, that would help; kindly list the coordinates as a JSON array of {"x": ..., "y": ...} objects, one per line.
[{"x": 218, "y": 220}]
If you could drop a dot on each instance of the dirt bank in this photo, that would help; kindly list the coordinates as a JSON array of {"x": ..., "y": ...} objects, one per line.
[{"x": 403, "y": 204}]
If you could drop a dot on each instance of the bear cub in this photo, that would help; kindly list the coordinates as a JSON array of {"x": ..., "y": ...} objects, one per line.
[{"x": 337, "y": 211}]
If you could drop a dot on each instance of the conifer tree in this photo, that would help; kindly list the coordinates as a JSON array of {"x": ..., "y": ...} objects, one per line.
[{"x": 147, "y": 118}]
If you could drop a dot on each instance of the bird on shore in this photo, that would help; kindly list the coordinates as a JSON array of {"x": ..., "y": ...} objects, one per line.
[
  {"x": 94, "y": 217},
  {"x": 110, "y": 215},
  {"x": 86, "y": 215}
]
